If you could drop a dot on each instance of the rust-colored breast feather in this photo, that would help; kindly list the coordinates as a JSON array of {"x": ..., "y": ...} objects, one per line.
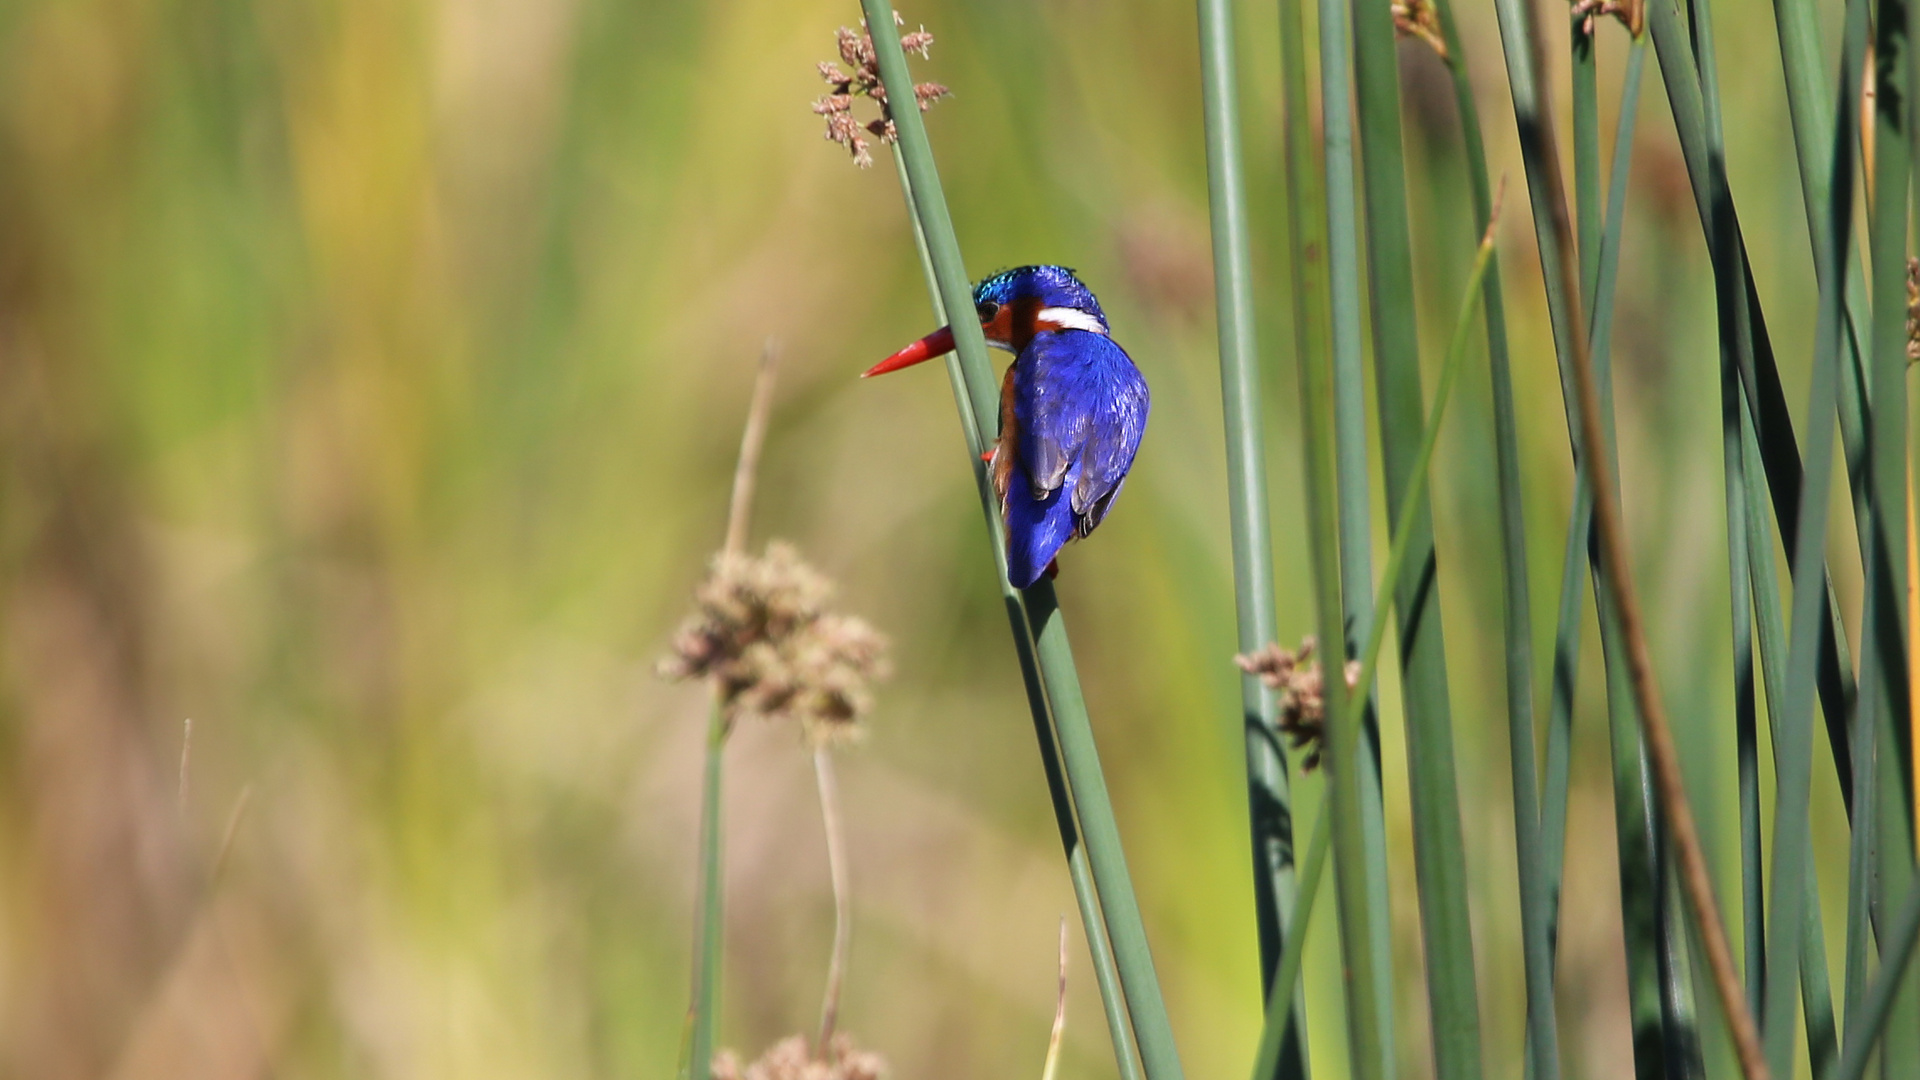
[{"x": 1008, "y": 444}]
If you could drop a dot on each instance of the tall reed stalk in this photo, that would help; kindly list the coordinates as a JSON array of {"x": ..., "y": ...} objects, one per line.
[
  {"x": 696, "y": 1061},
  {"x": 1083, "y": 793},
  {"x": 1268, "y": 796},
  {"x": 1883, "y": 702},
  {"x": 1361, "y": 875},
  {"x": 1106, "y": 970},
  {"x": 1323, "y": 246},
  {"x": 1439, "y": 861}
]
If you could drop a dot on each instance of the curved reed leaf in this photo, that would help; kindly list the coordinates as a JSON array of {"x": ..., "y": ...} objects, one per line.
[
  {"x": 1829, "y": 197},
  {"x": 1783, "y": 697},
  {"x": 1759, "y": 374},
  {"x": 1813, "y": 115},
  {"x": 1736, "y": 349},
  {"x": 1865, "y": 1027}
]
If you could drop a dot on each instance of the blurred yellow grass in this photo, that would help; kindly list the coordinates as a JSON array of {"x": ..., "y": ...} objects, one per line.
[{"x": 370, "y": 372}]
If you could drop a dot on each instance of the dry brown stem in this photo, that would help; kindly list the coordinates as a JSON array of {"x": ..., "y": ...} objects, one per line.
[
  {"x": 1059, "y": 1011},
  {"x": 842, "y": 911},
  {"x": 1695, "y": 880},
  {"x": 747, "y": 469}
]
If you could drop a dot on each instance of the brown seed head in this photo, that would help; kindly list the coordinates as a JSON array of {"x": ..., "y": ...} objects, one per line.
[
  {"x": 917, "y": 42},
  {"x": 1303, "y": 705},
  {"x": 1913, "y": 310},
  {"x": 789, "y": 1059},
  {"x": 1420, "y": 19},
  {"x": 761, "y": 632},
  {"x": 856, "y": 50}
]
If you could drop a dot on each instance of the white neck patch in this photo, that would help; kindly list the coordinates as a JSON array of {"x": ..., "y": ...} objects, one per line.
[{"x": 1066, "y": 318}]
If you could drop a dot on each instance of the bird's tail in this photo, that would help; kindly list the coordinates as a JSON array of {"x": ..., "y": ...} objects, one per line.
[{"x": 1037, "y": 528}]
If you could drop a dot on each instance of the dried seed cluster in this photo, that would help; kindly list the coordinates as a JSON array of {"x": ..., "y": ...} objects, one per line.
[
  {"x": 788, "y": 1059},
  {"x": 1303, "y": 707},
  {"x": 1420, "y": 19},
  {"x": 1913, "y": 310},
  {"x": 1631, "y": 13},
  {"x": 761, "y": 631},
  {"x": 856, "y": 51}
]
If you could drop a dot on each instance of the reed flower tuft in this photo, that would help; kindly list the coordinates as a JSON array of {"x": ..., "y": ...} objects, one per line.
[
  {"x": 1303, "y": 705},
  {"x": 1913, "y": 309},
  {"x": 1420, "y": 19},
  {"x": 1631, "y": 13},
  {"x": 761, "y": 631},
  {"x": 856, "y": 51},
  {"x": 789, "y": 1059}
]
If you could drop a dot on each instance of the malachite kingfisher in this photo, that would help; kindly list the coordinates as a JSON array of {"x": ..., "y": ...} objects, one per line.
[{"x": 1072, "y": 409}]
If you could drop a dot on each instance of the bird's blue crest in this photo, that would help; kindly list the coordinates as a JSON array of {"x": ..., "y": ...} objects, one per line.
[{"x": 1053, "y": 286}]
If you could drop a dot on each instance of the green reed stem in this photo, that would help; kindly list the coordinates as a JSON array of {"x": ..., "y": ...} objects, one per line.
[
  {"x": 1734, "y": 323},
  {"x": 1883, "y": 670},
  {"x": 1366, "y": 940},
  {"x": 1269, "y": 800},
  {"x": 1084, "y": 782},
  {"x": 1817, "y": 120},
  {"x": 1086, "y": 896},
  {"x": 1566, "y": 655},
  {"x": 1865, "y": 1027},
  {"x": 1433, "y": 797},
  {"x": 696, "y": 1061},
  {"x": 1283, "y": 1041},
  {"x": 1543, "y": 1044},
  {"x": 1827, "y": 170},
  {"x": 1273, "y": 1032},
  {"x": 1793, "y": 937}
]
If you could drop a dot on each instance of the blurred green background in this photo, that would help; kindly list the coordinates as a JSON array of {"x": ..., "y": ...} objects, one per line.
[{"x": 370, "y": 377}]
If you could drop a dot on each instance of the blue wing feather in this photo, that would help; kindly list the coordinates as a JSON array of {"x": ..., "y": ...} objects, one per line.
[{"x": 1081, "y": 409}]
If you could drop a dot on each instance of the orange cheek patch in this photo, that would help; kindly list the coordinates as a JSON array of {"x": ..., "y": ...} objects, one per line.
[{"x": 1000, "y": 327}]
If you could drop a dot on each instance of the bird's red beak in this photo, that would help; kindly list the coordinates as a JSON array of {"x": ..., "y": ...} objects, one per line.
[{"x": 938, "y": 343}]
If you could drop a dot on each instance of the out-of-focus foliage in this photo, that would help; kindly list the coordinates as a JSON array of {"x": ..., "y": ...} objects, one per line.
[{"x": 370, "y": 376}]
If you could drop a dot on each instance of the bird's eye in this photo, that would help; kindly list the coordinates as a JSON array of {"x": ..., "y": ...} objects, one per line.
[{"x": 986, "y": 309}]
